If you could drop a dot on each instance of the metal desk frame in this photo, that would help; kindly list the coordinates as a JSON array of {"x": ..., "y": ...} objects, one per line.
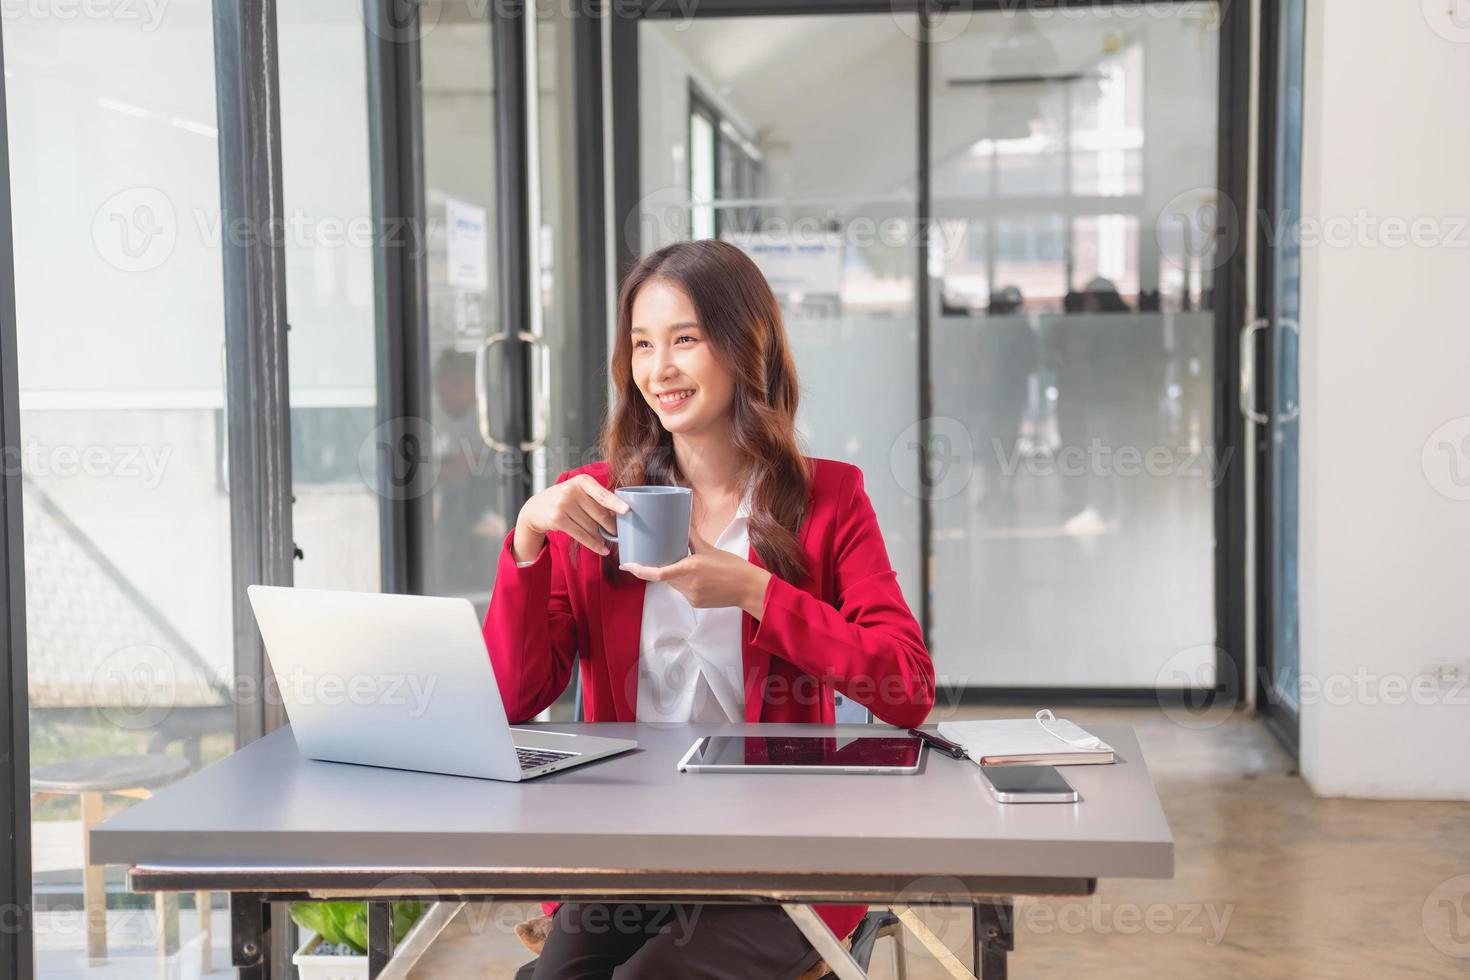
[{"x": 252, "y": 890}]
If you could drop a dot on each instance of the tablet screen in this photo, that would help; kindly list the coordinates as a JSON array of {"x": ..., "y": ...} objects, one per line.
[{"x": 808, "y": 750}]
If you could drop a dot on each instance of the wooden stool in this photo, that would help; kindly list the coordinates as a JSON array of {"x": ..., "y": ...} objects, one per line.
[{"x": 90, "y": 779}]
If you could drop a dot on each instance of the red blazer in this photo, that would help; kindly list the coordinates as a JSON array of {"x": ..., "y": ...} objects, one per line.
[{"x": 845, "y": 628}]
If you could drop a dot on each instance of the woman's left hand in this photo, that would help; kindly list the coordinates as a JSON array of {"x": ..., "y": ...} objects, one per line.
[{"x": 711, "y": 578}]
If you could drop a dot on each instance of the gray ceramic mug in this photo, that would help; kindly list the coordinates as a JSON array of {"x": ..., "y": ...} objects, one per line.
[{"x": 655, "y": 530}]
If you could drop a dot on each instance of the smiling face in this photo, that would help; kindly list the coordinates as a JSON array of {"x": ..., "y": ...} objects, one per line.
[{"x": 674, "y": 365}]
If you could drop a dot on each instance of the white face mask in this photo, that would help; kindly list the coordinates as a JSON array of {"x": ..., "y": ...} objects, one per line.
[{"x": 1085, "y": 742}]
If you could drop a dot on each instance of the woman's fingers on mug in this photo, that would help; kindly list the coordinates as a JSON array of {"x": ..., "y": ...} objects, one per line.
[
  {"x": 599, "y": 514},
  {"x": 603, "y": 495},
  {"x": 582, "y": 528}
]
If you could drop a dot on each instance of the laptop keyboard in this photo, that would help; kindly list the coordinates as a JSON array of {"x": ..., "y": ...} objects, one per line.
[{"x": 536, "y": 758}]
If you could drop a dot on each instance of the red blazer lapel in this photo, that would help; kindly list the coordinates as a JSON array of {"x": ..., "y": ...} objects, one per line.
[{"x": 622, "y": 622}]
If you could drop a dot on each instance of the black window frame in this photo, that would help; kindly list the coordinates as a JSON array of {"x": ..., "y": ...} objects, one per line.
[
  {"x": 16, "y": 950},
  {"x": 702, "y": 105}
]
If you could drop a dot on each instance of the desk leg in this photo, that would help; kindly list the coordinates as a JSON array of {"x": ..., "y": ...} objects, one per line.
[
  {"x": 836, "y": 955},
  {"x": 995, "y": 922},
  {"x": 250, "y": 933},
  {"x": 380, "y": 937}
]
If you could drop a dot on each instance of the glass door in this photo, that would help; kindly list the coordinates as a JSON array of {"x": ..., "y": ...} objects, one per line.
[
  {"x": 474, "y": 299},
  {"x": 1278, "y": 636},
  {"x": 513, "y": 273}
]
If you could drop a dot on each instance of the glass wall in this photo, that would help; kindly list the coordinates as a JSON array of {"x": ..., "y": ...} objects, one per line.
[
  {"x": 825, "y": 204},
  {"x": 1072, "y": 169},
  {"x": 330, "y": 237},
  {"x": 1071, "y": 255},
  {"x": 114, "y": 170}
]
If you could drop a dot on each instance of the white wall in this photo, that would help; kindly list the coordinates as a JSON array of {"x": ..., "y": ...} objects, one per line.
[{"x": 1384, "y": 546}]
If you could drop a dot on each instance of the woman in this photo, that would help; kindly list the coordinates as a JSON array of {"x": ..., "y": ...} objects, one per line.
[{"x": 786, "y": 597}]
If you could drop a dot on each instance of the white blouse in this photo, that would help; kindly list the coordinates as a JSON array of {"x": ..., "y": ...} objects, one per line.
[{"x": 690, "y": 661}]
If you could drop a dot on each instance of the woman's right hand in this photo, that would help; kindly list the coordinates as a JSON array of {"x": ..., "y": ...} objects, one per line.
[{"x": 576, "y": 507}]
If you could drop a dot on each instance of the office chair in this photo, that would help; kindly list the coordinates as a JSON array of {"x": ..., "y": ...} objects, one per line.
[{"x": 877, "y": 924}]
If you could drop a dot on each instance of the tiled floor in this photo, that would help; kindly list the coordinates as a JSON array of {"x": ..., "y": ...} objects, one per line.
[{"x": 1270, "y": 881}]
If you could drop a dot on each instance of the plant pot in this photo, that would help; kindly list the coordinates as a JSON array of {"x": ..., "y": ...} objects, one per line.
[{"x": 311, "y": 965}]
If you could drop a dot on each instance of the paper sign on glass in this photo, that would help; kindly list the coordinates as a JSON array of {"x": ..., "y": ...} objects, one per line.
[{"x": 465, "y": 243}]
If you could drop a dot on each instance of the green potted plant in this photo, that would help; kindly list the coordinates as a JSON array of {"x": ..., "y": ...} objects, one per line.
[{"x": 338, "y": 950}]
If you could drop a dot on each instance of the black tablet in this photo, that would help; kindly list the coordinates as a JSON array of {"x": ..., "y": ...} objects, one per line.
[{"x": 804, "y": 753}]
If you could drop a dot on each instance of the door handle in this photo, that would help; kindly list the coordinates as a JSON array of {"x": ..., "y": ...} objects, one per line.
[
  {"x": 1293, "y": 410},
  {"x": 1248, "y": 371},
  {"x": 541, "y": 371},
  {"x": 224, "y": 395},
  {"x": 482, "y": 402}
]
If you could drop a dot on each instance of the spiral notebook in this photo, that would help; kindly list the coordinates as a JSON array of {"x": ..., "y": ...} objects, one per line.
[{"x": 1041, "y": 741}]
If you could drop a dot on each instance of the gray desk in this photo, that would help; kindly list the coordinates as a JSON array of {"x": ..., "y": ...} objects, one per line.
[{"x": 269, "y": 825}]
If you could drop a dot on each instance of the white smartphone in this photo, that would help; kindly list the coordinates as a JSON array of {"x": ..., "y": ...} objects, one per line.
[{"x": 1028, "y": 784}]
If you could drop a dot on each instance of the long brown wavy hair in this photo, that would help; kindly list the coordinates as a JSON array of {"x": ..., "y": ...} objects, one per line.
[{"x": 739, "y": 315}]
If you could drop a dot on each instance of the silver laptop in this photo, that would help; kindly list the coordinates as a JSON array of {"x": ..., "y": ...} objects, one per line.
[{"x": 403, "y": 682}]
